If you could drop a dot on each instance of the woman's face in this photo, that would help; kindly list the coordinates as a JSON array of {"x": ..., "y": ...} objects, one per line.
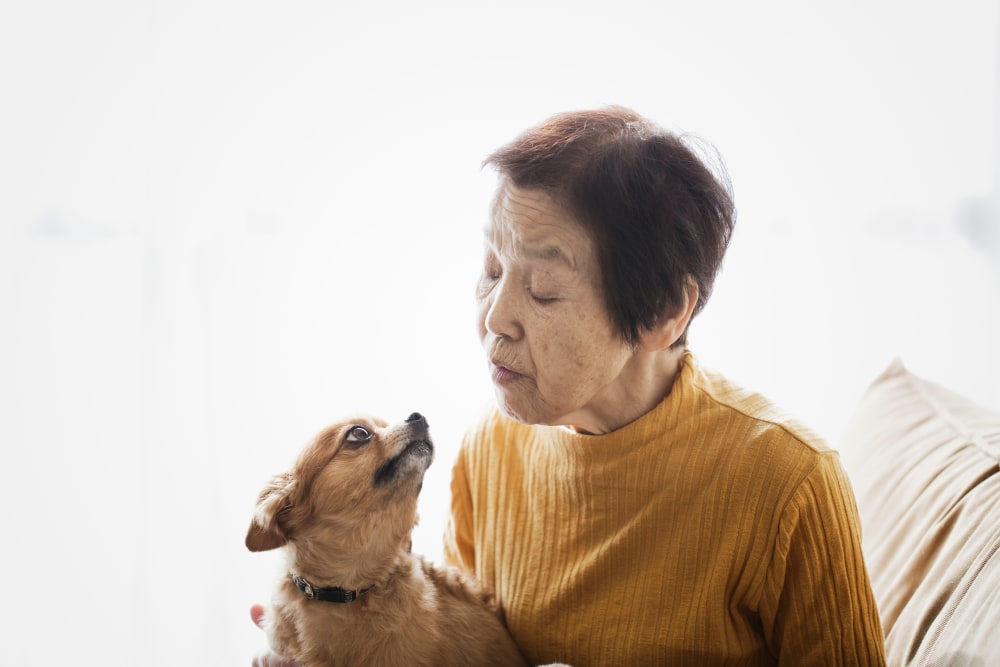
[{"x": 554, "y": 355}]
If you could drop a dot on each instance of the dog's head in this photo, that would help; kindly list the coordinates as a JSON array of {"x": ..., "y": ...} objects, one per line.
[{"x": 354, "y": 472}]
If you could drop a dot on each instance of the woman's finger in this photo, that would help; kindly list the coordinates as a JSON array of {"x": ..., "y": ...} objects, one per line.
[{"x": 257, "y": 614}]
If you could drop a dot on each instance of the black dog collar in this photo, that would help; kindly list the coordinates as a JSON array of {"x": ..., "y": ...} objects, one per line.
[{"x": 328, "y": 594}]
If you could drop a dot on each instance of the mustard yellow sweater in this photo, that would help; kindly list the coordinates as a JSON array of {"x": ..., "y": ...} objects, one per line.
[{"x": 711, "y": 531}]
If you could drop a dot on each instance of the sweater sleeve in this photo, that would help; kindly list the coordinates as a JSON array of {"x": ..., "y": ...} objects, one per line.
[
  {"x": 458, "y": 540},
  {"x": 817, "y": 606}
]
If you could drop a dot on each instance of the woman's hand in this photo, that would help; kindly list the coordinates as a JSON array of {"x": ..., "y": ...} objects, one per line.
[{"x": 269, "y": 659}]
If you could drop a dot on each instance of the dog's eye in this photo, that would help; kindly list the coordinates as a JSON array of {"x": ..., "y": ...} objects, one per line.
[{"x": 359, "y": 434}]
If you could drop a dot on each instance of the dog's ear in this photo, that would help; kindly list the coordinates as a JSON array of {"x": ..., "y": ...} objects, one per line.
[{"x": 266, "y": 532}]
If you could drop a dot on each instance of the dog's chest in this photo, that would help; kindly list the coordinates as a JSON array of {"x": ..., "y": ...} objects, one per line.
[{"x": 375, "y": 631}]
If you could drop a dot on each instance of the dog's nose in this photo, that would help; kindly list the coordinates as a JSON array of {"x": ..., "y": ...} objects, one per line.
[{"x": 416, "y": 417}]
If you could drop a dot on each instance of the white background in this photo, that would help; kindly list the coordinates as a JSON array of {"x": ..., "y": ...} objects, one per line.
[{"x": 225, "y": 224}]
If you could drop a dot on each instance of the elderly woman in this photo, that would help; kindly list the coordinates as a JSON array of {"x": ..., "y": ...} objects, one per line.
[{"x": 630, "y": 506}]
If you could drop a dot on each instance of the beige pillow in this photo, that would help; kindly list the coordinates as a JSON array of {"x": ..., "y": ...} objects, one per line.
[{"x": 924, "y": 462}]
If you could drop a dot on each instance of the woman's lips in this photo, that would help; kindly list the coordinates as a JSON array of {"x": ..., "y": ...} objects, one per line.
[{"x": 503, "y": 375}]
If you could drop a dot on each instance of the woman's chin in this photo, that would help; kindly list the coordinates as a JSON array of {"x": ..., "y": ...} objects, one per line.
[
  {"x": 513, "y": 408},
  {"x": 520, "y": 410}
]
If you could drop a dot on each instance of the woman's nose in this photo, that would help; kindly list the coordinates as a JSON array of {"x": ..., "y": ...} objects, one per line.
[{"x": 501, "y": 316}]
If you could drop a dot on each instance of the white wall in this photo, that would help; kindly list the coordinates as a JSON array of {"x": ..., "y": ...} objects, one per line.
[{"x": 224, "y": 224}]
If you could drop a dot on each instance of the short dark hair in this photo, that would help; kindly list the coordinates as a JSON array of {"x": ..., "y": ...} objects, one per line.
[{"x": 655, "y": 210}]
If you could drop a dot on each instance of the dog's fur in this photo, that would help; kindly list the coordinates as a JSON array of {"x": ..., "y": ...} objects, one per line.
[{"x": 344, "y": 514}]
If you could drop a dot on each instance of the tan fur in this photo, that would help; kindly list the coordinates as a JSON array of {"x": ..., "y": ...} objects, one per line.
[{"x": 341, "y": 528}]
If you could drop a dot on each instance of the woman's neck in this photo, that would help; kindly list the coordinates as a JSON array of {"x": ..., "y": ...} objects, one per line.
[{"x": 645, "y": 380}]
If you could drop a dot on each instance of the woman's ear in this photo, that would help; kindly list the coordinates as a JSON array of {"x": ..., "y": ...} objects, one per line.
[
  {"x": 670, "y": 329},
  {"x": 266, "y": 532}
]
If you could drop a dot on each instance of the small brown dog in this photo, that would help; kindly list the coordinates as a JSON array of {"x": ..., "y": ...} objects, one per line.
[{"x": 355, "y": 594}]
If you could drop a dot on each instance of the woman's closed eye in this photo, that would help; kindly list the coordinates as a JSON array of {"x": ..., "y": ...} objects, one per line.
[
  {"x": 491, "y": 273},
  {"x": 541, "y": 297}
]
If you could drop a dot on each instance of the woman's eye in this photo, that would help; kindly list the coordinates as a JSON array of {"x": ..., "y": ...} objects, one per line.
[
  {"x": 359, "y": 434},
  {"x": 486, "y": 282},
  {"x": 542, "y": 300},
  {"x": 491, "y": 268}
]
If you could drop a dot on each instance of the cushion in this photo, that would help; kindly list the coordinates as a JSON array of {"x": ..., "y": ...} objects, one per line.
[{"x": 924, "y": 463}]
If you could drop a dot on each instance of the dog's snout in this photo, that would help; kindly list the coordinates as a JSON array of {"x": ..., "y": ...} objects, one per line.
[{"x": 416, "y": 417}]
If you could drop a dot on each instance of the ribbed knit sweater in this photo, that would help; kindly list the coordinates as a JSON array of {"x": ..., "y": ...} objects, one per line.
[{"x": 711, "y": 531}]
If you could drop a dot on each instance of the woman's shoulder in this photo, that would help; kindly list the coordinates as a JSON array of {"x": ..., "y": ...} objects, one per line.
[
  {"x": 738, "y": 409},
  {"x": 756, "y": 444}
]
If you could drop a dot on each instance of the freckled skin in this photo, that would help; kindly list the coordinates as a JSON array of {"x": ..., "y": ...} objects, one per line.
[{"x": 542, "y": 315}]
